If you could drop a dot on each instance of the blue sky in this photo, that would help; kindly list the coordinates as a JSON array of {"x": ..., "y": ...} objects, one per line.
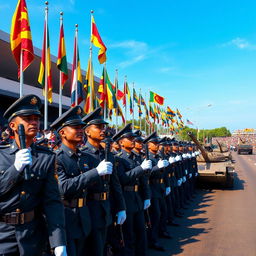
[{"x": 193, "y": 53}]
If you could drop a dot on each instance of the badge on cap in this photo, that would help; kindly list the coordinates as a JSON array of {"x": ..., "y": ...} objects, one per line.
[
  {"x": 33, "y": 101},
  {"x": 79, "y": 111}
]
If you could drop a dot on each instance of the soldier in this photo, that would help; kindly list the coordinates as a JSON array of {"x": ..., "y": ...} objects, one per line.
[
  {"x": 28, "y": 188},
  {"x": 158, "y": 191},
  {"x": 130, "y": 172},
  {"x": 108, "y": 186},
  {"x": 74, "y": 178}
]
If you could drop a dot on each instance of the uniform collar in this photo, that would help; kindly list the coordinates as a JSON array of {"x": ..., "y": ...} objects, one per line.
[
  {"x": 151, "y": 154},
  {"x": 135, "y": 153},
  {"x": 14, "y": 148},
  {"x": 66, "y": 149},
  {"x": 92, "y": 148},
  {"x": 127, "y": 154}
]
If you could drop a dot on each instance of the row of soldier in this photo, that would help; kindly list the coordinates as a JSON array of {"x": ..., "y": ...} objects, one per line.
[{"x": 115, "y": 195}]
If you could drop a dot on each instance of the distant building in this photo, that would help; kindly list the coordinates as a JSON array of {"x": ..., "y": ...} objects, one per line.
[{"x": 9, "y": 83}]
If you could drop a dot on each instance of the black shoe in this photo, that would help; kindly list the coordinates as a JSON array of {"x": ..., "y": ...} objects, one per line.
[
  {"x": 156, "y": 246},
  {"x": 171, "y": 223},
  {"x": 166, "y": 235}
]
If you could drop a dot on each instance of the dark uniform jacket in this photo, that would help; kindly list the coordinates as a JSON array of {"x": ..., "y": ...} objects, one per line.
[
  {"x": 130, "y": 173},
  {"x": 74, "y": 178},
  {"x": 157, "y": 180},
  {"x": 100, "y": 210},
  {"x": 40, "y": 194}
]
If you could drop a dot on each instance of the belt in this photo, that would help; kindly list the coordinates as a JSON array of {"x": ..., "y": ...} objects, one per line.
[
  {"x": 134, "y": 188},
  {"x": 17, "y": 218},
  {"x": 169, "y": 175},
  {"x": 99, "y": 196},
  {"x": 74, "y": 203},
  {"x": 157, "y": 181}
]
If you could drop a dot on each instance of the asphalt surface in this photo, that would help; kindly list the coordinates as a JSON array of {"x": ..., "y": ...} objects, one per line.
[{"x": 219, "y": 222}]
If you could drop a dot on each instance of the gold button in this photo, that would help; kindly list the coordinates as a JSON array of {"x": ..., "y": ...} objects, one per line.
[
  {"x": 18, "y": 210},
  {"x": 23, "y": 193},
  {"x": 32, "y": 175}
]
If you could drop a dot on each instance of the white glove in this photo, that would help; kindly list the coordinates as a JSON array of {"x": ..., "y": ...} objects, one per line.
[
  {"x": 196, "y": 174},
  {"x": 146, "y": 165},
  {"x": 172, "y": 160},
  {"x": 184, "y": 156},
  {"x": 104, "y": 168},
  {"x": 179, "y": 182},
  {"x": 60, "y": 251},
  {"x": 167, "y": 191},
  {"x": 178, "y": 158},
  {"x": 190, "y": 175},
  {"x": 193, "y": 154},
  {"x": 189, "y": 155},
  {"x": 121, "y": 217},
  {"x": 146, "y": 204},
  {"x": 184, "y": 179},
  {"x": 22, "y": 158},
  {"x": 186, "y": 172}
]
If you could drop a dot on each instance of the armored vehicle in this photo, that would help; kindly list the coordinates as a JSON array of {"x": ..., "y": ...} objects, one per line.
[
  {"x": 214, "y": 167},
  {"x": 244, "y": 147}
]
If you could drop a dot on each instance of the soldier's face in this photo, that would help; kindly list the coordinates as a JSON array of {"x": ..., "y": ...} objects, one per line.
[
  {"x": 96, "y": 131},
  {"x": 138, "y": 145},
  {"x": 116, "y": 146},
  {"x": 31, "y": 124},
  {"x": 153, "y": 146},
  {"x": 72, "y": 133},
  {"x": 127, "y": 143}
]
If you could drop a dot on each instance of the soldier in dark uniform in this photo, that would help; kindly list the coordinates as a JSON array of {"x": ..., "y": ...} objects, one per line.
[
  {"x": 130, "y": 171},
  {"x": 74, "y": 178},
  {"x": 24, "y": 200},
  {"x": 158, "y": 190},
  {"x": 100, "y": 192}
]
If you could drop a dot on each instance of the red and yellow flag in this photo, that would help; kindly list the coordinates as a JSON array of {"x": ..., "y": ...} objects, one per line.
[
  {"x": 20, "y": 37},
  {"x": 62, "y": 58},
  {"x": 97, "y": 41},
  {"x": 155, "y": 98},
  {"x": 47, "y": 66}
]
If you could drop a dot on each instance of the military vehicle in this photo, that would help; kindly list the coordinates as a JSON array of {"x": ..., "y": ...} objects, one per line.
[
  {"x": 224, "y": 150},
  {"x": 214, "y": 167},
  {"x": 244, "y": 147}
]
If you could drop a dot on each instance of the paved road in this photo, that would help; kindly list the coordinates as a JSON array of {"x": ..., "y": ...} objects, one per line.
[{"x": 219, "y": 222}]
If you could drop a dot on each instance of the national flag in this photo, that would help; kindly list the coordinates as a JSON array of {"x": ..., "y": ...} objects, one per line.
[
  {"x": 77, "y": 80},
  {"x": 62, "y": 58},
  {"x": 44, "y": 65},
  {"x": 119, "y": 94},
  {"x": 97, "y": 41},
  {"x": 135, "y": 97},
  {"x": 189, "y": 122},
  {"x": 142, "y": 101},
  {"x": 179, "y": 114},
  {"x": 170, "y": 112},
  {"x": 156, "y": 113},
  {"x": 89, "y": 88},
  {"x": 119, "y": 112},
  {"x": 151, "y": 111},
  {"x": 140, "y": 111},
  {"x": 155, "y": 98},
  {"x": 20, "y": 36},
  {"x": 125, "y": 93},
  {"x": 129, "y": 98}
]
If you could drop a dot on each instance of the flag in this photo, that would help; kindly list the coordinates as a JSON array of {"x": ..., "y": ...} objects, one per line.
[
  {"x": 179, "y": 114},
  {"x": 77, "y": 80},
  {"x": 20, "y": 37},
  {"x": 155, "y": 98},
  {"x": 44, "y": 65},
  {"x": 119, "y": 95},
  {"x": 125, "y": 93},
  {"x": 151, "y": 111},
  {"x": 62, "y": 58},
  {"x": 129, "y": 98},
  {"x": 142, "y": 101},
  {"x": 170, "y": 112},
  {"x": 89, "y": 88},
  {"x": 135, "y": 97},
  {"x": 189, "y": 122},
  {"x": 119, "y": 112},
  {"x": 97, "y": 41}
]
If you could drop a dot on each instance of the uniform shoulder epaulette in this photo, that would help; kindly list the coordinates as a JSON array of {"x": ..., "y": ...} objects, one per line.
[
  {"x": 58, "y": 151},
  {"x": 119, "y": 154},
  {"x": 83, "y": 148},
  {"x": 4, "y": 146}
]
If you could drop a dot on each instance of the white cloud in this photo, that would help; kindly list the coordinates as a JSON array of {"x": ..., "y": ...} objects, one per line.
[
  {"x": 240, "y": 43},
  {"x": 166, "y": 69}
]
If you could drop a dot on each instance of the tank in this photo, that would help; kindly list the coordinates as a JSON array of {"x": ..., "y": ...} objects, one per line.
[
  {"x": 244, "y": 147},
  {"x": 213, "y": 167},
  {"x": 224, "y": 150}
]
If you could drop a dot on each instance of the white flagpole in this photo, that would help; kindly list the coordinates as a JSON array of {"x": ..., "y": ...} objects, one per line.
[
  {"x": 46, "y": 70},
  {"x": 125, "y": 107},
  {"x": 21, "y": 73},
  {"x": 116, "y": 79},
  {"x": 60, "y": 84},
  {"x": 92, "y": 104},
  {"x": 76, "y": 49},
  {"x": 133, "y": 105},
  {"x": 140, "y": 108}
]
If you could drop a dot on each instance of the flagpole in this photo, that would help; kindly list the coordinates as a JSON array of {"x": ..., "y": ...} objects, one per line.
[
  {"x": 145, "y": 113},
  {"x": 60, "y": 85},
  {"x": 116, "y": 100},
  {"x": 105, "y": 92},
  {"x": 125, "y": 107},
  {"x": 46, "y": 69},
  {"x": 133, "y": 105},
  {"x": 76, "y": 49},
  {"x": 140, "y": 108},
  {"x": 21, "y": 73},
  {"x": 92, "y": 104}
]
